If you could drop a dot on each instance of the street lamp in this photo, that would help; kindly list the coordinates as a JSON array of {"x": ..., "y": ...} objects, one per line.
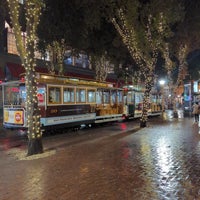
[{"x": 162, "y": 83}]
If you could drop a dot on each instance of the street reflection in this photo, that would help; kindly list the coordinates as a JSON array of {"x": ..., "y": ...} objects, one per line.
[
  {"x": 126, "y": 150},
  {"x": 5, "y": 143},
  {"x": 157, "y": 164},
  {"x": 169, "y": 115},
  {"x": 9, "y": 143},
  {"x": 123, "y": 126},
  {"x": 164, "y": 155}
]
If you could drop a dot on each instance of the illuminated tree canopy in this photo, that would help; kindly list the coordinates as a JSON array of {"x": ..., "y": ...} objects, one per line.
[{"x": 144, "y": 28}]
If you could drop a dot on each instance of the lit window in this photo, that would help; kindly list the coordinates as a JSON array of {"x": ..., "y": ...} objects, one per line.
[
  {"x": 68, "y": 95},
  {"x": 54, "y": 95},
  {"x": 11, "y": 95},
  {"x": 99, "y": 97},
  {"x": 11, "y": 43},
  {"x": 80, "y": 95},
  {"x": 120, "y": 96},
  {"x": 106, "y": 97},
  {"x": 91, "y": 96}
]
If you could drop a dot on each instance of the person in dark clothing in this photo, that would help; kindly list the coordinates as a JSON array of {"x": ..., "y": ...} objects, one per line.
[{"x": 196, "y": 111}]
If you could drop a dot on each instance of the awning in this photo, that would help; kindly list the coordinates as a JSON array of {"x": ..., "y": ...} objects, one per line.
[
  {"x": 17, "y": 69},
  {"x": 79, "y": 75},
  {"x": 41, "y": 69}
]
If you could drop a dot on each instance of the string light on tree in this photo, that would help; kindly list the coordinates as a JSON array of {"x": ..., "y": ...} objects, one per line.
[
  {"x": 27, "y": 54},
  {"x": 145, "y": 59}
]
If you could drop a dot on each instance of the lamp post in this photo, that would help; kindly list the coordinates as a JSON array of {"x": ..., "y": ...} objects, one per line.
[{"x": 162, "y": 83}]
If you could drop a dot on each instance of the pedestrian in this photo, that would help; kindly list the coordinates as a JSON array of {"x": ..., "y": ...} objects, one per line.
[{"x": 196, "y": 111}]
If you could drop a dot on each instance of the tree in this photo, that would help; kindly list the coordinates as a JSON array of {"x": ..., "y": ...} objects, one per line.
[
  {"x": 105, "y": 49},
  {"x": 62, "y": 26},
  {"x": 143, "y": 29},
  {"x": 32, "y": 9},
  {"x": 57, "y": 54},
  {"x": 3, "y": 17},
  {"x": 83, "y": 27},
  {"x": 193, "y": 61},
  {"x": 184, "y": 41},
  {"x": 101, "y": 67}
]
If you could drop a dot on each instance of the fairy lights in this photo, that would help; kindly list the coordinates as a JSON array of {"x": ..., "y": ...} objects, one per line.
[
  {"x": 32, "y": 13},
  {"x": 182, "y": 54},
  {"x": 57, "y": 53},
  {"x": 102, "y": 67},
  {"x": 145, "y": 58}
]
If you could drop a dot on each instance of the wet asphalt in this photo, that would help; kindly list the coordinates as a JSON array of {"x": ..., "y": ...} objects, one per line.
[{"x": 118, "y": 161}]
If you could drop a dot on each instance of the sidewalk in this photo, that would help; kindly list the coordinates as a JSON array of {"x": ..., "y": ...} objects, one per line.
[
  {"x": 99, "y": 163},
  {"x": 59, "y": 141}
]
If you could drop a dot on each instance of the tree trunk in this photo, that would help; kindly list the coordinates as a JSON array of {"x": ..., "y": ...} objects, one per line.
[
  {"x": 144, "y": 117},
  {"x": 27, "y": 55},
  {"x": 33, "y": 113},
  {"x": 175, "y": 113},
  {"x": 35, "y": 146},
  {"x": 143, "y": 124},
  {"x": 148, "y": 86}
]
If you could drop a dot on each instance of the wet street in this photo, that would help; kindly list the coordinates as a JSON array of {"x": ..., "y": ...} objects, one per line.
[{"x": 119, "y": 161}]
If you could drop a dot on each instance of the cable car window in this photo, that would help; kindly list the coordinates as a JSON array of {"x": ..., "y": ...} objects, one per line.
[
  {"x": 114, "y": 97},
  {"x": 91, "y": 96},
  {"x": 120, "y": 96},
  {"x": 130, "y": 97},
  {"x": 106, "y": 97},
  {"x": 99, "y": 97},
  {"x": 54, "y": 95},
  {"x": 154, "y": 99},
  {"x": 80, "y": 95},
  {"x": 12, "y": 95},
  {"x": 138, "y": 100},
  {"x": 68, "y": 95}
]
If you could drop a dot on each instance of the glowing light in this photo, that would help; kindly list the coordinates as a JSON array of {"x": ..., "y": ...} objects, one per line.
[{"x": 162, "y": 82}]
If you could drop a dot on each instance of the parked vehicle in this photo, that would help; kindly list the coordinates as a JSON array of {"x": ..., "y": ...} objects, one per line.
[
  {"x": 70, "y": 102},
  {"x": 133, "y": 101}
]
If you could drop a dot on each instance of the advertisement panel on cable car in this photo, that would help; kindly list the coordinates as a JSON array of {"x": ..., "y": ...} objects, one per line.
[{"x": 14, "y": 116}]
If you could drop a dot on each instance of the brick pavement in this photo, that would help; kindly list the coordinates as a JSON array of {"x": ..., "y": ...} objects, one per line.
[{"x": 118, "y": 162}]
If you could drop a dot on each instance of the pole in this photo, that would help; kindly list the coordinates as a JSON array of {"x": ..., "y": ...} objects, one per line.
[
  {"x": 163, "y": 100},
  {"x": 162, "y": 83}
]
